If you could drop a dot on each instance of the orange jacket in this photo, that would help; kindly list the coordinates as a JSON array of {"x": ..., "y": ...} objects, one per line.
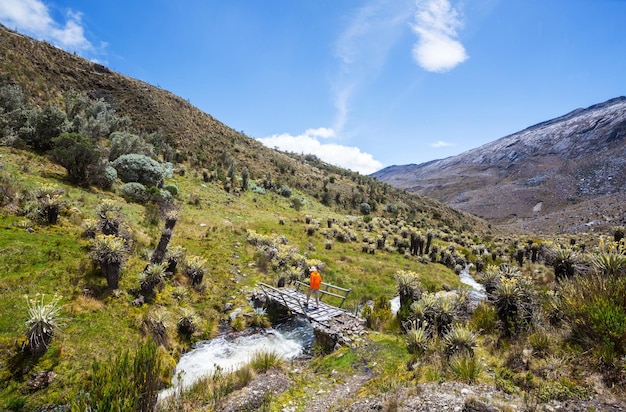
[{"x": 315, "y": 280}]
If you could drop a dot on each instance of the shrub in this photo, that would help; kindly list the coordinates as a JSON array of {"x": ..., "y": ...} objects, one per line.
[
  {"x": 173, "y": 189},
  {"x": 43, "y": 322},
  {"x": 139, "y": 168},
  {"x": 79, "y": 156},
  {"x": 134, "y": 192},
  {"x": 365, "y": 208},
  {"x": 8, "y": 188},
  {"x": 123, "y": 143},
  {"x": 124, "y": 383},
  {"x": 285, "y": 191},
  {"x": 98, "y": 120},
  {"x": 484, "y": 318},
  {"x": 45, "y": 125},
  {"x": 109, "y": 177}
]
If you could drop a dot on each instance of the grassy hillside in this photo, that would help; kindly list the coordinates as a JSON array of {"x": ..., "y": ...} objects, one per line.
[
  {"x": 552, "y": 328},
  {"x": 54, "y": 260}
]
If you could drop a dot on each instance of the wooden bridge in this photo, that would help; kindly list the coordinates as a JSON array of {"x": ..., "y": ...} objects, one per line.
[{"x": 331, "y": 322}]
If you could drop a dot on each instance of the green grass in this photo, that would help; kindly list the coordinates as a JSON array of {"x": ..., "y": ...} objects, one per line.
[{"x": 212, "y": 225}]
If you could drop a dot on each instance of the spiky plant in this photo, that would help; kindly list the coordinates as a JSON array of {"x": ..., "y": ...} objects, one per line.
[
  {"x": 446, "y": 313},
  {"x": 194, "y": 269},
  {"x": 173, "y": 256},
  {"x": 108, "y": 211},
  {"x": 417, "y": 340},
  {"x": 187, "y": 322},
  {"x": 610, "y": 263},
  {"x": 563, "y": 261},
  {"x": 151, "y": 277},
  {"x": 43, "y": 322},
  {"x": 460, "y": 340},
  {"x": 110, "y": 252},
  {"x": 157, "y": 324},
  {"x": 180, "y": 293},
  {"x": 508, "y": 271},
  {"x": 408, "y": 287},
  {"x": 90, "y": 228},
  {"x": 490, "y": 279},
  {"x": 50, "y": 203}
]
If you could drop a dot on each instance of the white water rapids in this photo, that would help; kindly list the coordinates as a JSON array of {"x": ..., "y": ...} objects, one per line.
[{"x": 228, "y": 353}]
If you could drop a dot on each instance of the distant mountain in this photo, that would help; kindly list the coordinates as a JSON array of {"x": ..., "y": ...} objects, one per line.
[{"x": 565, "y": 175}]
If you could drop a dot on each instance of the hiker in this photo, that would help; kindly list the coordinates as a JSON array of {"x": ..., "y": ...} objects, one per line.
[{"x": 314, "y": 286}]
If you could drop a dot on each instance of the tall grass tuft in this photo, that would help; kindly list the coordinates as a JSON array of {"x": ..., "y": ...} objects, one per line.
[
  {"x": 263, "y": 361},
  {"x": 125, "y": 383},
  {"x": 465, "y": 368}
]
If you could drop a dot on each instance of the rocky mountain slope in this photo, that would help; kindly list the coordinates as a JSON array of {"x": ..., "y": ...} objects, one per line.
[{"x": 567, "y": 174}]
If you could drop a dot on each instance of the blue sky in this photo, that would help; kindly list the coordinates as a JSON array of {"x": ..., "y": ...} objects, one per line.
[{"x": 363, "y": 84}]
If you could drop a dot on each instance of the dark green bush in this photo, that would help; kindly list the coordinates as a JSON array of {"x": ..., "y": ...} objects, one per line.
[
  {"x": 172, "y": 189},
  {"x": 43, "y": 126},
  {"x": 134, "y": 192},
  {"x": 285, "y": 191},
  {"x": 79, "y": 156},
  {"x": 365, "y": 208},
  {"x": 139, "y": 168}
]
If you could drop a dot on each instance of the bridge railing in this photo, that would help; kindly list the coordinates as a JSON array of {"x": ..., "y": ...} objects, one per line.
[{"x": 327, "y": 289}]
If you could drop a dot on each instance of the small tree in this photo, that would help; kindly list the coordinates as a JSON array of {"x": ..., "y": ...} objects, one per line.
[
  {"x": 171, "y": 218},
  {"x": 110, "y": 252},
  {"x": 245, "y": 178}
]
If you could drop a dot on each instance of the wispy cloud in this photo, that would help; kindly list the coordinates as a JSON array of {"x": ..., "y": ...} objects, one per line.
[
  {"x": 362, "y": 49},
  {"x": 348, "y": 157},
  {"x": 32, "y": 17},
  {"x": 441, "y": 143},
  {"x": 437, "y": 48}
]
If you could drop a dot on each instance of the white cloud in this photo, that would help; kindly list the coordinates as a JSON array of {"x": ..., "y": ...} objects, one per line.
[
  {"x": 348, "y": 157},
  {"x": 441, "y": 143},
  {"x": 33, "y": 18},
  {"x": 436, "y": 24}
]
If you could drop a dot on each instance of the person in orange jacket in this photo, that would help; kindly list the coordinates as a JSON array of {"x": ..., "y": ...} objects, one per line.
[{"x": 315, "y": 282}]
